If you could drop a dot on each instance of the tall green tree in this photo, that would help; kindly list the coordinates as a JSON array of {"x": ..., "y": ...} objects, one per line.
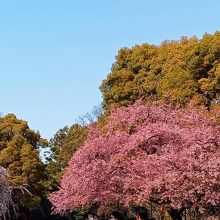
[
  {"x": 182, "y": 71},
  {"x": 19, "y": 155},
  {"x": 62, "y": 146}
]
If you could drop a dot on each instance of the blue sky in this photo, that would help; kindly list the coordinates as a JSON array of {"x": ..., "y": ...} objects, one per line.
[{"x": 54, "y": 54}]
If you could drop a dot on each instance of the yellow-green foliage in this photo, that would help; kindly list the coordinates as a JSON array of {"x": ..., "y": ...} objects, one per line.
[
  {"x": 182, "y": 71},
  {"x": 64, "y": 143},
  {"x": 19, "y": 154},
  {"x": 177, "y": 86}
]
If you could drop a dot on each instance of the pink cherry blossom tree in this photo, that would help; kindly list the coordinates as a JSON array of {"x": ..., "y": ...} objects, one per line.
[{"x": 146, "y": 153}]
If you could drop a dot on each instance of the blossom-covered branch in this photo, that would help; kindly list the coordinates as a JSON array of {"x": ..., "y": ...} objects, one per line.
[{"x": 148, "y": 153}]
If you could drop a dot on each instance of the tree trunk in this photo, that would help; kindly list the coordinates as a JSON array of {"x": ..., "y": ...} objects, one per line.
[{"x": 175, "y": 214}]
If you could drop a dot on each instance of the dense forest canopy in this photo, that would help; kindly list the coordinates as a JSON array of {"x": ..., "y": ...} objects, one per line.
[{"x": 178, "y": 72}]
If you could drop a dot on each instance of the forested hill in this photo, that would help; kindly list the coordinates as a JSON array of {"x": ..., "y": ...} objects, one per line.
[{"x": 180, "y": 72}]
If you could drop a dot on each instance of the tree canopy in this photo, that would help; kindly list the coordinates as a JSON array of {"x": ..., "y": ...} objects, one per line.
[
  {"x": 62, "y": 146},
  {"x": 146, "y": 153},
  {"x": 19, "y": 155},
  {"x": 178, "y": 72}
]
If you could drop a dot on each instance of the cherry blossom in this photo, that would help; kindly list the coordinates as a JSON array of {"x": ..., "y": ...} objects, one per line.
[{"x": 146, "y": 153}]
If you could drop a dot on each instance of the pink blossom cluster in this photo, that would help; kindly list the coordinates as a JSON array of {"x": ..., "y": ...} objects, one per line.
[{"x": 146, "y": 153}]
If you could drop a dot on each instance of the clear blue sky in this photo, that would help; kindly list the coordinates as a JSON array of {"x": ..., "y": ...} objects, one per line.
[{"x": 55, "y": 53}]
